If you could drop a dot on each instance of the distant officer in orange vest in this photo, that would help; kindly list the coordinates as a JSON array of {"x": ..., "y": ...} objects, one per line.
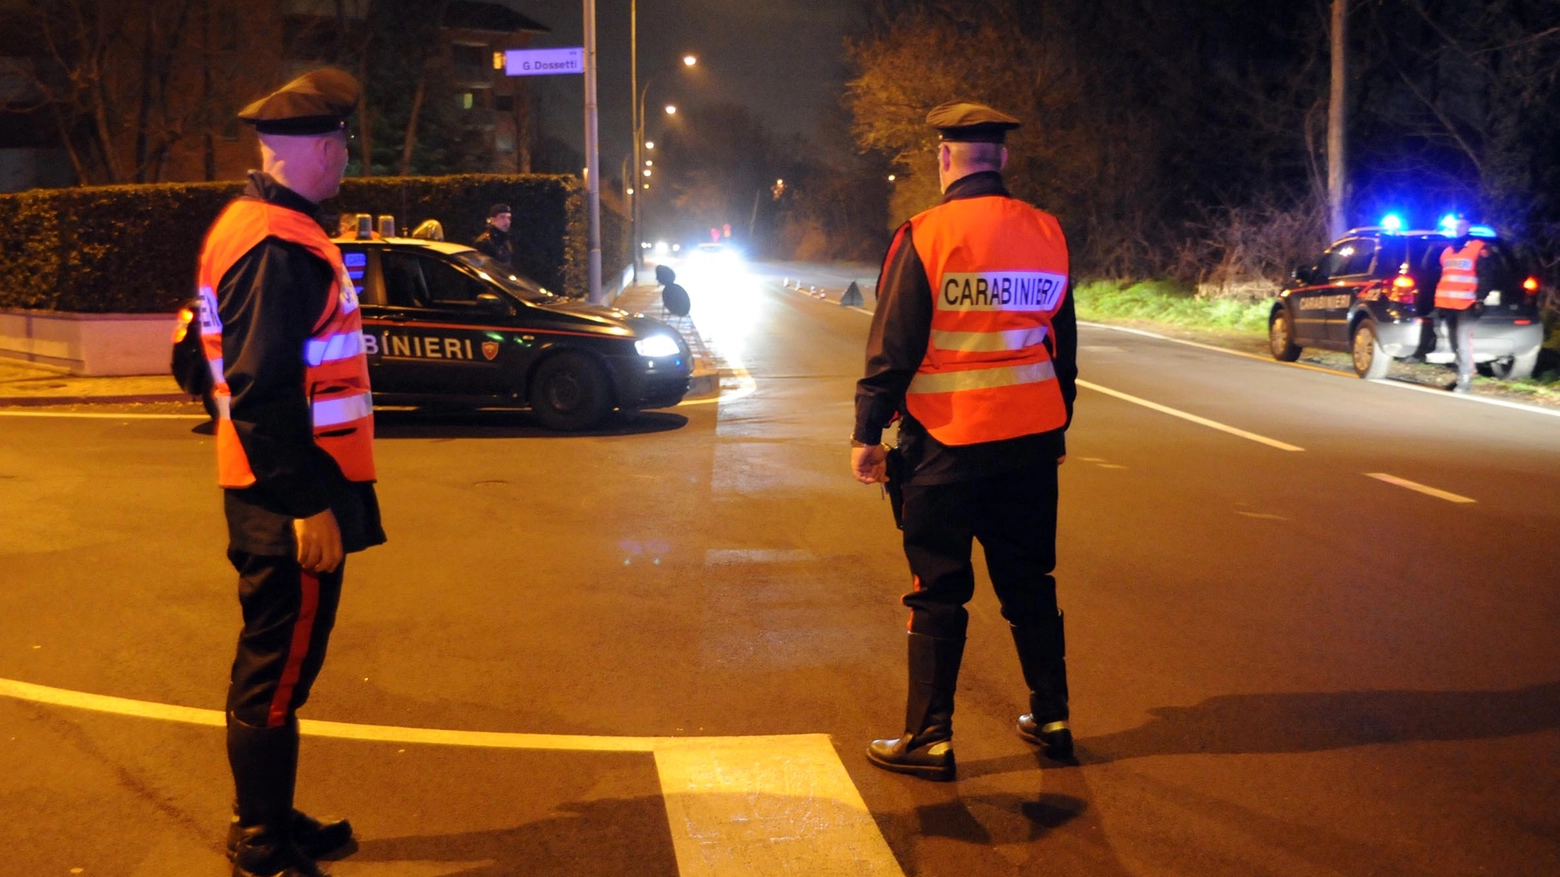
[
  {"x": 1458, "y": 301},
  {"x": 283, "y": 336},
  {"x": 973, "y": 347}
]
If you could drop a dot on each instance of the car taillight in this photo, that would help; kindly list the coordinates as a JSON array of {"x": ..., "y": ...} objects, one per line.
[
  {"x": 1530, "y": 285},
  {"x": 1402, "y": 290},
  {"x": 181, "y": 328}
]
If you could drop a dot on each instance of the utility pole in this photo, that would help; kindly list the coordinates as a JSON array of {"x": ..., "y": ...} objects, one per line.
[
  {"x": 1337, "y": 119},
  {"x": 592, "y": 153},
  {"x": 633, "y": 182}
]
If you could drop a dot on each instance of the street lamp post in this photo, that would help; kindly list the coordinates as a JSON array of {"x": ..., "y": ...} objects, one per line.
[{"x": 638, "y": 108}]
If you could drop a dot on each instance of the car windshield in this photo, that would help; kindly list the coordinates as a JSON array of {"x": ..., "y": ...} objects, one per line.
[{"x": 516, "y": 285}]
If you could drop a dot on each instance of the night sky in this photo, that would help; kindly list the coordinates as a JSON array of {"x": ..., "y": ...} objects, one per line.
[{"x": 781, "y": 59}]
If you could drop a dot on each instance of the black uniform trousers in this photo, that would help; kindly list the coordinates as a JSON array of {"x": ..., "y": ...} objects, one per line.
[
  {"x": 1459, "y": 331},
  {"x": 288, "y": 616},
  {"x": 1013, "y": 514}
]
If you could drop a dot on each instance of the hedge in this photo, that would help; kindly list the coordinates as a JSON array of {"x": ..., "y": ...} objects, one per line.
[{"x": 132, "y": 249}]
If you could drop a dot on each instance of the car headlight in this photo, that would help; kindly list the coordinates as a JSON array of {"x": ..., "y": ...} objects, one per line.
[{"x": 657, "y": 346}]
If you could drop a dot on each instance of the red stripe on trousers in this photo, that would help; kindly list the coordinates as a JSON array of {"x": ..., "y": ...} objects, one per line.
[{"x": 303, "y": 629}]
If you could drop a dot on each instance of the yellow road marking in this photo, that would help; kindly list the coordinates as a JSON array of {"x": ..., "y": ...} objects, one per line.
[
  {"x": 1416, "y": 486},
  {"x": 1201, "y": 421},
  {"x": 735, "y": 805}
]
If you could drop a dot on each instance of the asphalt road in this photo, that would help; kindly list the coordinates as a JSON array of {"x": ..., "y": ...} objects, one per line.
[{"x": 1281, "y": 665}]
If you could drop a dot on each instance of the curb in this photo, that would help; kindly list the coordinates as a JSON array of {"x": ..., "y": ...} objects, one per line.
[
  {"x": 703, "y": 383},
  {"x": 37, "y": 401}
]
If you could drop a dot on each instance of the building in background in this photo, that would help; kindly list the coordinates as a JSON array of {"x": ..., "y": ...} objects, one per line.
[{"x": 147, "y": 91}]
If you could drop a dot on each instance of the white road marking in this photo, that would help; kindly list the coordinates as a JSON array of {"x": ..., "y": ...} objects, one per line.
[
  {"x": 727, "y": 556},
  {"x": 1416, "y": 486},
  {"x": 775, "y": 805},
  {"x": 1384, "y": 382},
  {"x": 1201, "y": 421},
  {"x": 1199, "y": 345},
  {"x": 740, "y": 808}
]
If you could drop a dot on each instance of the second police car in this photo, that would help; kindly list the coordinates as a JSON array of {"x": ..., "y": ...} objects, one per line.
[
  {"x": 1372, "y": 294},
  {"x": 446, "y": 326}
]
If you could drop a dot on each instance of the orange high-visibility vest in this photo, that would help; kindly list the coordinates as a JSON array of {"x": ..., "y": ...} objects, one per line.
[
  {"x": 335, "y": 369},
  {"x": 998, "y": 270},
  {"x": 1459, "y": 285}
]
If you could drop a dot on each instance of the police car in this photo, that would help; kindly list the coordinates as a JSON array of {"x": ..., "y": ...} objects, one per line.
[
  {"x": 446, "y": 326},
  {"x": 1372, "y": 294}
]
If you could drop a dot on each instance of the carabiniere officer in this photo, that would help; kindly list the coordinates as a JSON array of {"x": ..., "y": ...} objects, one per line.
[
  {"x": 974, "y": 348},
  {"x": 282, "y": 334}
]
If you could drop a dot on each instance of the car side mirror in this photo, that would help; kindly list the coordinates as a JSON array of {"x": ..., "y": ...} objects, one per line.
[
  {"x": 493, "y": 304},
  {"x": 1305, "y": 273}
]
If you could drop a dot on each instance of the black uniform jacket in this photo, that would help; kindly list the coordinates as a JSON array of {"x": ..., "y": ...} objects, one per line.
[
  {"x": 269, "y": 302},
  {"x": 901, "y": 329},
  {"x": 495, "y": 243}
]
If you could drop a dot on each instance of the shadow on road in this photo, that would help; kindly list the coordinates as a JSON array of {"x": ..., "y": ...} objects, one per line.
[
  {"x": 613, "y": 836},
  {"x": 1240, "y": 724},
  {"x": 418, "y": 424}
]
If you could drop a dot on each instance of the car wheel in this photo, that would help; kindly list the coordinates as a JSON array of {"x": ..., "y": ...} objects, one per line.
[
  {"x": 1369, "y": 360},
  {"x": 1511, "y": 368},
  {"x": 569, "y": 392},
  {"x": 1281, "y": 337}
]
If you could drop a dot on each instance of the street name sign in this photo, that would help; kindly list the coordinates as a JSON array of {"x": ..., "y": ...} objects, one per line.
[{"x": 543, "y": 62}]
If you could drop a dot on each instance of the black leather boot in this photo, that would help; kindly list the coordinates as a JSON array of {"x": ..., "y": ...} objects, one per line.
[
  {"x": 330, "y": 839},
  {"x": 265, "y": 769},
  {"x": 926, "y": 748},
  {"x": 1042, "y": 650}
]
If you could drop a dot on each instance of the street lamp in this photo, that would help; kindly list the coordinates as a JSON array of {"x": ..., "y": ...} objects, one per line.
[{"x": 638, "y": 107}]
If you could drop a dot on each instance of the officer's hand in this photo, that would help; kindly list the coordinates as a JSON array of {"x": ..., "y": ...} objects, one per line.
[
  {"x": 1062, "y": 459},
  {"x": 870, "y": 464},
  {"x": 319, "y": 542}
]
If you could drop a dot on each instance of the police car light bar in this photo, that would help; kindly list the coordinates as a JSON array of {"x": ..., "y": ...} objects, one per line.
[
  {"x": 1392, "y": 222},
  {"x": 1481, "y": 231}
]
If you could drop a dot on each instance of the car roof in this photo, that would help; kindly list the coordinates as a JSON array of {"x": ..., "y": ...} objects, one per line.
[{"x": 447, "y": 248}]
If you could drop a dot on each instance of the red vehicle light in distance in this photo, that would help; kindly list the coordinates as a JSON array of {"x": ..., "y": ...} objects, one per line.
[{"x": 1530, "y": 284}]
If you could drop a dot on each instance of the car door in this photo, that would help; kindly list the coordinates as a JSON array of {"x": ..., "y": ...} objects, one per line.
[
  {"x": 432, "y": 335},
  {"x": 1321, "y": 304}
]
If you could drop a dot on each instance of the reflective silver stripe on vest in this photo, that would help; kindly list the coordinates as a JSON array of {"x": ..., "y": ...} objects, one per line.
[
  {"x": 988, "y": 342},
  {"x": 983, "y": 378},
  {"x": 342, "y": 345},
  {"x": 345, "y": 409}
]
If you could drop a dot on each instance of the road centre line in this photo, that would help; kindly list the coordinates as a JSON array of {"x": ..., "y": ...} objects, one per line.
[
  {"x": 1201, "y": 421},
  {"x": 1421, "y": 488},
  {"x": 762, "y": 805}
]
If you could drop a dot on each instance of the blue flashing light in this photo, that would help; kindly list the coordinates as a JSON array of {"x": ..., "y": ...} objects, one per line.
[
  {"x": 1481, "y": 231},
  {"x": 1392, "y": 222},
  {"x": 1448, "y": 222}
]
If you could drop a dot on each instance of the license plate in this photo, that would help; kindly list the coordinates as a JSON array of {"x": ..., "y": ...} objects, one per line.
[{"x": 1492, "y": 298}]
